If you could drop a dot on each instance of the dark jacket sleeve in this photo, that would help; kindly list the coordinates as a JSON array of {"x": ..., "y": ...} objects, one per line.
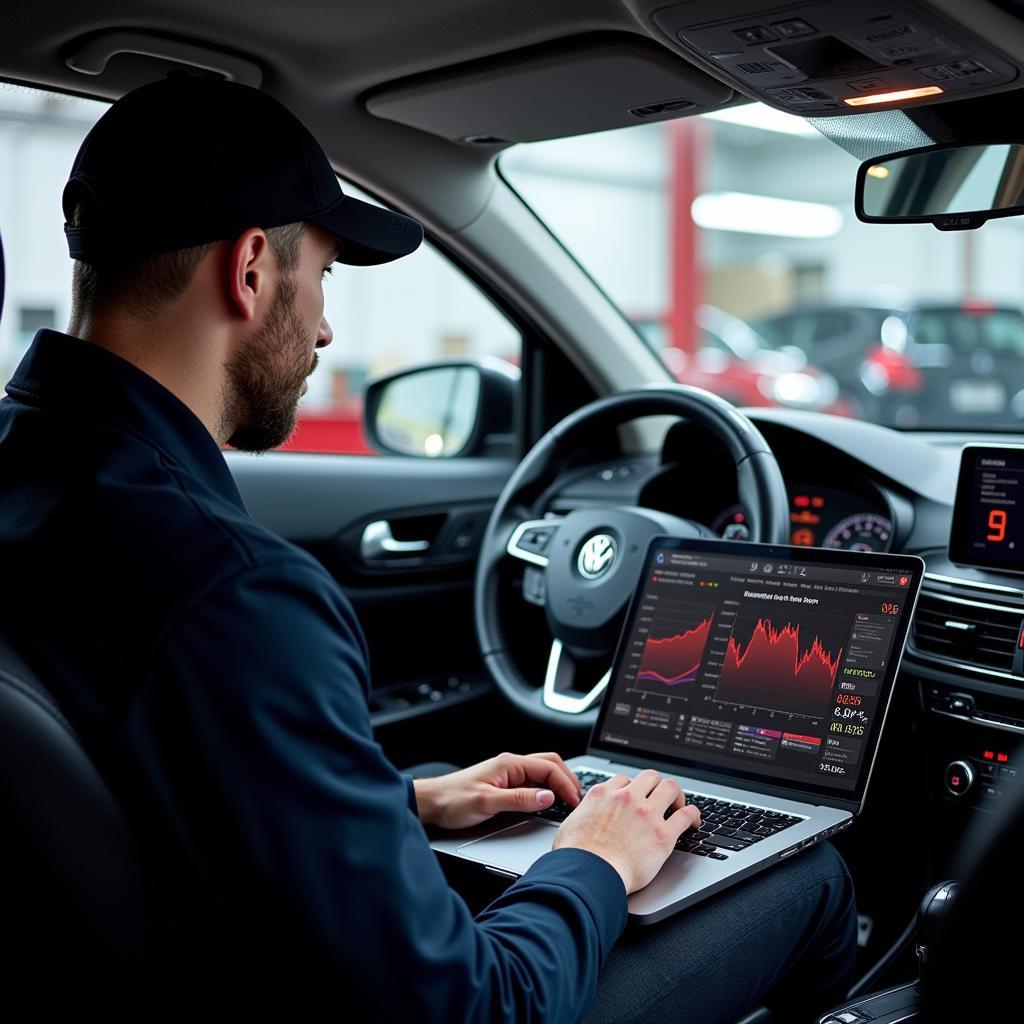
[{"x": 254, "y": 732}]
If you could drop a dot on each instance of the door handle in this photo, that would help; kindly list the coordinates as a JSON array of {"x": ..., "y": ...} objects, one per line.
[{"x": 377, "y": 542}]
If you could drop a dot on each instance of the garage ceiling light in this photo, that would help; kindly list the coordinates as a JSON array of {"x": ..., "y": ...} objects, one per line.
[
  {"x": 765, "y": 215},
  {"x": 768, "y": 119}
]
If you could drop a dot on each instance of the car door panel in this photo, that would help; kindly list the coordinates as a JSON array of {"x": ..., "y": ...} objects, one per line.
[{"x": 415, "y": 605}]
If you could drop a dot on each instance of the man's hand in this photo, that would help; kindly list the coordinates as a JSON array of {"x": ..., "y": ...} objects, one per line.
[
  {"x": 508, "y": 782},
  {"x": 623, "y": 821}
]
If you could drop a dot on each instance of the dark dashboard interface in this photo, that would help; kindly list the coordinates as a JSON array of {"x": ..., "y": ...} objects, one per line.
[
  {"x": 988, "y": 516},
  {"x": 774, "y": 665}
]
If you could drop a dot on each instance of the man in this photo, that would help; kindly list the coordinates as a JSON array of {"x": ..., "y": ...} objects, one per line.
[{"x": 217, "y": 673}]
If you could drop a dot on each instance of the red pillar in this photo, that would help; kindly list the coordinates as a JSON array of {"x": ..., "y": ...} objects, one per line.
[{"x": 687, "y": 141}]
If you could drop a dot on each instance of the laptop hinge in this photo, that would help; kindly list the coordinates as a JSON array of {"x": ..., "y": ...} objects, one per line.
[{"x": 780, "y": 792}]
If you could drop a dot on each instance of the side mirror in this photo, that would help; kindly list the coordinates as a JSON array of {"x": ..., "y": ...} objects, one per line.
[
  {"x": 441, "y": 410},
  {"x": 955, "y": 187}
]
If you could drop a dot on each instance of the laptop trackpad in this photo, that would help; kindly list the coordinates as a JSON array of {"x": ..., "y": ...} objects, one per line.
[{"x": 515, "y": 849}]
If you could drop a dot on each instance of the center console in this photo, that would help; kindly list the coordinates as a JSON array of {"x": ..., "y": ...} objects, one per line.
[{"x": 966, "y": 646}]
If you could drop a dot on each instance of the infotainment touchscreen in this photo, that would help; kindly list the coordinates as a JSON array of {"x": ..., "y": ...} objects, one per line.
[{"x": 988, "y": 517}]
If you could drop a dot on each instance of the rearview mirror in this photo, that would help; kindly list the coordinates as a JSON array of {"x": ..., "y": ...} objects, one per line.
[
  {"x": 955, "y": 187},
  {"x": 444, "y": 409}
]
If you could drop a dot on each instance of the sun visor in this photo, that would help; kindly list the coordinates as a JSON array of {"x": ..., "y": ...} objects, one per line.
[{"x": 567, "y": 89}]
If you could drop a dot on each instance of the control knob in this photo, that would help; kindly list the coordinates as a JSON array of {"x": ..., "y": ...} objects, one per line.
[{"x": 959, "y": 777}]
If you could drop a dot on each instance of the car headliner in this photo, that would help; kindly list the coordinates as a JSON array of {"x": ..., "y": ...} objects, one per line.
[{"x": 322, "y": 58}]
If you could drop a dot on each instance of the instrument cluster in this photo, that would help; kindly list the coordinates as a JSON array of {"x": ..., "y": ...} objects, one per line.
[{"x": 819, "y": 517}]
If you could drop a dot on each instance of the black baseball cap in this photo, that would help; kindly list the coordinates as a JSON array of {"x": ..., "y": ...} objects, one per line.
[{"x": 191, "y": 160}]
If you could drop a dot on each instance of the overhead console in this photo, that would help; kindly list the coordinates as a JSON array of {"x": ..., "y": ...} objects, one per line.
[{"x": 837, "y": 57}]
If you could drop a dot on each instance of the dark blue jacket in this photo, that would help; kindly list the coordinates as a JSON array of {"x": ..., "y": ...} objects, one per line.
[{"x": 219, "y": 677}]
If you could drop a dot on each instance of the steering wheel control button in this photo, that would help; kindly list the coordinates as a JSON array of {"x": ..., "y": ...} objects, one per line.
[
  {"x": 537, "y": 539},
  {"x": 597, "y": 556},
  {"x": 530, "y": 541},
  {"x": 959, "y": 778}
]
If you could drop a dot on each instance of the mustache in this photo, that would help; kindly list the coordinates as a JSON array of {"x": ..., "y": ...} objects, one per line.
[{"x": 316, "y": 362}]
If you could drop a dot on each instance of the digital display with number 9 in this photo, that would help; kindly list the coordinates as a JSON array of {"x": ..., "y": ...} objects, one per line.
[
  {"x": 988, "y": 526},
  {"x": 997, "y": 525}
]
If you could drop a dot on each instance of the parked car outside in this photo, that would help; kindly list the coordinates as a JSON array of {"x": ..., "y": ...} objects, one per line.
[
  {"x": 924, "y": 365},
  {"x": 735, "y": 362}
]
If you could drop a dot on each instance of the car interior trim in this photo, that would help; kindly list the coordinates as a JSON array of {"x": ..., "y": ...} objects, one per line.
[
  {"x": 981, "y": 723},
  {"x": 563, "y": 701},
  {"x": 961, "y": 582}
]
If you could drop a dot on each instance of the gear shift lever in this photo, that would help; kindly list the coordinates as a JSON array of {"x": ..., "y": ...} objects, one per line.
[
  {"x": 931, "y": 914},
  {"x": 901, "y": 1003}
]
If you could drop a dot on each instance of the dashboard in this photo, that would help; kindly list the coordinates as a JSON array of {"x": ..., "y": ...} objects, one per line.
[
  {"x": 834, "y": 501},
  {"x": 859, "y": 487}
]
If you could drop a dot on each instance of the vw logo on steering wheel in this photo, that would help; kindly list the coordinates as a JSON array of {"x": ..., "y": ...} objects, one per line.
[{"x": 596, "y": 556}]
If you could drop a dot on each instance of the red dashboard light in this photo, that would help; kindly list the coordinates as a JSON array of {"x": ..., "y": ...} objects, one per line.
[
  {"x": 801, "y": 501},
  {"x": 1002, "y": 758},
  {"x": 989, "y": 755},
  {"x": 818, "y": 502}
]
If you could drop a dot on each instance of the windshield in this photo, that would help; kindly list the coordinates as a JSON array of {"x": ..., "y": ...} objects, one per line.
[{"x": 730, "y": 242}]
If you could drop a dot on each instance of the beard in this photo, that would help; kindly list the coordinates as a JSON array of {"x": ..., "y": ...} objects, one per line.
[{"x": 265, "y": 378}]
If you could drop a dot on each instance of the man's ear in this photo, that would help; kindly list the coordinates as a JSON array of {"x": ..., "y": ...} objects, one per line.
[{"x": 249, "y": 269}]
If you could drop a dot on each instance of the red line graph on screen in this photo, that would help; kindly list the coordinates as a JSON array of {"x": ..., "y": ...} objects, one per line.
[
  {"x": 672, "y": 660},
  {"x": 777, "y": 670}
]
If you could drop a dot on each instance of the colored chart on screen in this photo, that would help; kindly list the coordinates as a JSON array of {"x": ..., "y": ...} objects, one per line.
[
  {"x": 787, "y": 665},
  {"x": 675, "y": 646}
]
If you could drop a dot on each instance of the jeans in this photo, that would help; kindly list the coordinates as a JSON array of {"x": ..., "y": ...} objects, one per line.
[{"x": 786, "y": 938}]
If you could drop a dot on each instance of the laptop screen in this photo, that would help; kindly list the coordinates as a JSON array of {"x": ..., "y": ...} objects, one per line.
[{"x": 766, "y": 663}]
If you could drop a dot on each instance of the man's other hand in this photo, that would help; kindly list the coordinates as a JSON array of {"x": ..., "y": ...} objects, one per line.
[
  {"x": 508, "y": 782},
  {"x": 632, "y": 823}
]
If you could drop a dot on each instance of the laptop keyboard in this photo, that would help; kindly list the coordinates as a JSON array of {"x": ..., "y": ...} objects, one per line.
[{"x": 726, "y": 827}]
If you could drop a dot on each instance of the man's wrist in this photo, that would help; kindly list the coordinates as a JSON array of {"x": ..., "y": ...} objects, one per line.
[
  {"x": 426, "y": 791},
  {"x": 619, "y": 866}
]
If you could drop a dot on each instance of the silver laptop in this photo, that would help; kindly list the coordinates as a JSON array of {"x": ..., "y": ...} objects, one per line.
[{"x": 757, "y": 676}]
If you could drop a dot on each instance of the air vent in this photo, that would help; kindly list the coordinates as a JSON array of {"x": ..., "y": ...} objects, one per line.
[{"x": 976, "y": 634}]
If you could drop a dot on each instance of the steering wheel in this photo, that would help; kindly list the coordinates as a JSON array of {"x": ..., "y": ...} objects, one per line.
[{"x": 591, "y": 558}]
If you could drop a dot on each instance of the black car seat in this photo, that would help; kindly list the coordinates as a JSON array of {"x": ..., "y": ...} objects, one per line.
[{"x": 86, "y": 931}]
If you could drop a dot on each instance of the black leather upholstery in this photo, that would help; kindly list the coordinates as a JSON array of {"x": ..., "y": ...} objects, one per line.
[{"x": 84, "y": 927}]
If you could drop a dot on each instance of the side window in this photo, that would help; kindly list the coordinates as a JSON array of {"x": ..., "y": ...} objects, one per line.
[
  {"x": 40, "y": 132},
  {"x": 417, "y": 310}
]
